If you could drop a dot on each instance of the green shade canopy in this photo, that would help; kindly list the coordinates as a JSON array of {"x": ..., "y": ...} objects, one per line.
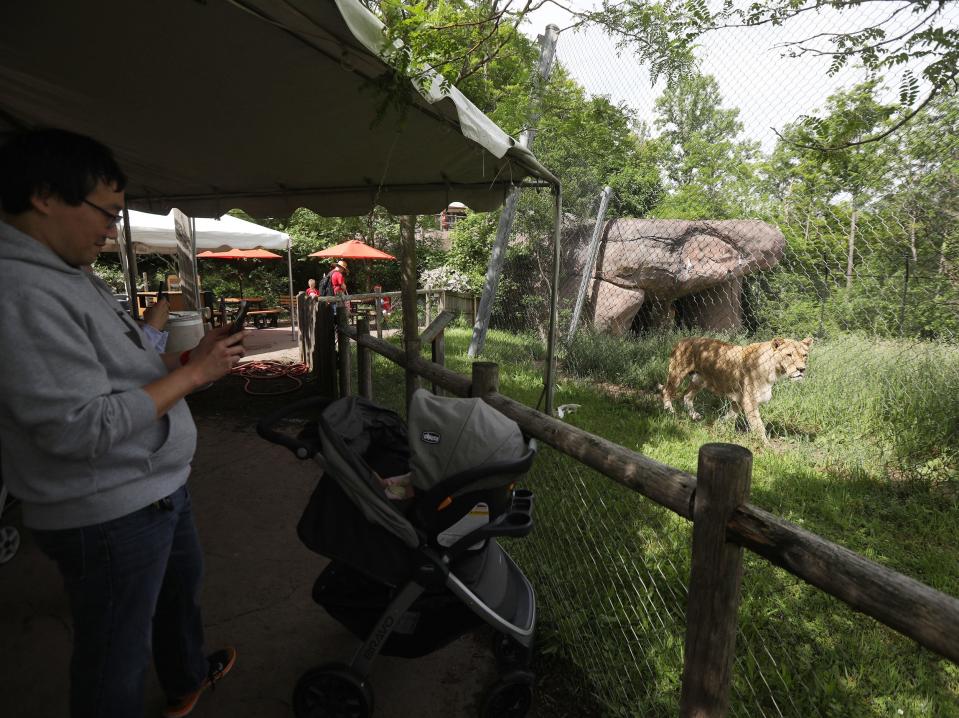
[{"x": 264, "y": 105}]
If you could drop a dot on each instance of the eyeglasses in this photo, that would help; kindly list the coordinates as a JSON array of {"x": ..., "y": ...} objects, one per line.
[{"x": 114, "y": 218}]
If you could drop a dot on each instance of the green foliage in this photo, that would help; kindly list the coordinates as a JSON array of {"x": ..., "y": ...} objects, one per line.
[
  {"x": 590, "y": 142},
  {"x": 475, "y": 46},
  {"x": 111, "y": 273},
  {"x": 708, "y": 167},
  {"x": 471, "y": 241},
  {"x": 877, "y": 44}
]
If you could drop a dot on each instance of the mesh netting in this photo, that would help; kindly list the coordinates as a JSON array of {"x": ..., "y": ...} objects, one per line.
[{"x": 756, "y": 241}]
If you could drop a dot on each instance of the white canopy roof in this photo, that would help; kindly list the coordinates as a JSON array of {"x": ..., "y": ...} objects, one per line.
[
  {"x": 155, "y": 234},
  {"x": 266, "y": 105}
]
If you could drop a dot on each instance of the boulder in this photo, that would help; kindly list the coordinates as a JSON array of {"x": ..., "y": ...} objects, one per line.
[{"x": 672, "y": 269}]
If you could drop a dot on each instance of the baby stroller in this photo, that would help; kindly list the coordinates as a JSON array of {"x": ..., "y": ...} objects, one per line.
[{"x": 409, "y": 518}]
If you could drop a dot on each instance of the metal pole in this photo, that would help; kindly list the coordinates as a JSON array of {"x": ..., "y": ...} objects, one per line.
[
  {"x": 130, "y": 277},
  {"x": 289, "y": 271},
  {"x": 553, "y": 302},
  {"x": 590, "y": 264},
  {"x": 498, "y": 253},
  {"x": 411, "y": 337},
  {"x": 198, "y": 302}
]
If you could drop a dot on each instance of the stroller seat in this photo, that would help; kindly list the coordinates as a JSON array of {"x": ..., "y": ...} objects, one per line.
[{"x": 409, "y": 516}]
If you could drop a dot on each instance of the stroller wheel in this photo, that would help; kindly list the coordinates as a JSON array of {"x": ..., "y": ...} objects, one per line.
[
  {"x": 9, "y": 543},
  {"x": 332, "y": 691},
  {"x": 509, "y": 652},
  {"x": 511, "y": 697}
]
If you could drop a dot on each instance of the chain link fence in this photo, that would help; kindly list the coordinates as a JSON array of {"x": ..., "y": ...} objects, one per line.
[{"x": 754, "y": 237}]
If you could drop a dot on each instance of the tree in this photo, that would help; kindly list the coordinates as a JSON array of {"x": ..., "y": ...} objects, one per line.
[
  {"x": 702, "y": 157},
  {"x": 904, "y": 33},
  {"x": 476, "y": 46},
  {"x": 858, "y": 168}
]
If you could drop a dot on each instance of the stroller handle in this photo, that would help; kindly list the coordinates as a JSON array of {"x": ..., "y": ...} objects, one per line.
[{"x": 266, "y": 427}]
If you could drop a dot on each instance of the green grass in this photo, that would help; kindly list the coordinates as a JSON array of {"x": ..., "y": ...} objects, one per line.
[{"x": 863, "y": 453}]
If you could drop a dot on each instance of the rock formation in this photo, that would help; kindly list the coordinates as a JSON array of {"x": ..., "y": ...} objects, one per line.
[{"x": 650, "y": 272}]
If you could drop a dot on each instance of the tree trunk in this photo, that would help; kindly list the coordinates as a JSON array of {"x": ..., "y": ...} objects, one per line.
[
  {"x": 912, "y": 236},
  {"x": 852, "y": 248}
]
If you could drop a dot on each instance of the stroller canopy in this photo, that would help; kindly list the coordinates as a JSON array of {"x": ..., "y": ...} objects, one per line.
[{"x": 448, "y": 436}]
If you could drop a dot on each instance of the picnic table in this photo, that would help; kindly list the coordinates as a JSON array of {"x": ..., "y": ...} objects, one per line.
[{"x": 256, "y": 313}]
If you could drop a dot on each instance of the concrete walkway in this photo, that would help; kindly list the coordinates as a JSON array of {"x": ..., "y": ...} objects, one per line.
[{"x": 248, "y": 495}]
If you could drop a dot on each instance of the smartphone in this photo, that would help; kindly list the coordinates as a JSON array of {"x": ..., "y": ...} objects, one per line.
[
  {"x": 240, "y": 317},
  {"x": 161, "y": 295}
]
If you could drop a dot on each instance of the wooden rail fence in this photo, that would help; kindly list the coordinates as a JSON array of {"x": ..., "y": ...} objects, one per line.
[{"x": 716, "y": 500}]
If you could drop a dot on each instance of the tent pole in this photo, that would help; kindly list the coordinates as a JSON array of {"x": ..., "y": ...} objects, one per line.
[
  {"x": 289, "y": 272},
  {"x": 411, "y": 334},
  {"x": 196, "y": 268},
  {"x": 130, "y": 276}
]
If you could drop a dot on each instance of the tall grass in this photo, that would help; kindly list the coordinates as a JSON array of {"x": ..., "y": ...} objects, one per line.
[
  {"x": 865, "y": 404},
  {"x": 610, "y": 567}
]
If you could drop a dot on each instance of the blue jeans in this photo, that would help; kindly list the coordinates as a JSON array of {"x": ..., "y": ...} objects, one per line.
[{"x": 133, "y": 584}]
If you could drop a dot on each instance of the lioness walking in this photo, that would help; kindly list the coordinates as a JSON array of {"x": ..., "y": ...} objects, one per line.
[{"x": 744, "y": 375}]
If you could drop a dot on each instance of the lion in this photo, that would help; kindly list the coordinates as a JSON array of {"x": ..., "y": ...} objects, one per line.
[{"x": 744, "y": 375}]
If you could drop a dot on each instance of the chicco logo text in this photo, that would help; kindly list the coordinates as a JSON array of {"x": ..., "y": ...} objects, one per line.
[{"x": 431, "y": 437}]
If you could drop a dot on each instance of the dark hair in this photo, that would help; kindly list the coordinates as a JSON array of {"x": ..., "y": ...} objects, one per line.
[{"x": 58, "y": 162}]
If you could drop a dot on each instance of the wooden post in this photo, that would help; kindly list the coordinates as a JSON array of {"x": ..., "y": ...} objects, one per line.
[
  {"x": 485, "y": 378},
  {"x": 364, "y": 360},
  {"x": 343, "y": 349},
  {"x": 438, "y": 354},
  {"x": 378, "y": 309},
  {"x": 324, "y": 349},
  {"x": 411, "y": 339},
  {"x": 434, "y": 334},
  {"x": 307, "y": 331},
  {"x": 722, "y": 485}
]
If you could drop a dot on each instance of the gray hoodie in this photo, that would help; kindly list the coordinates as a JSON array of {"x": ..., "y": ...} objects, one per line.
[{"x": 79, "y": 438}]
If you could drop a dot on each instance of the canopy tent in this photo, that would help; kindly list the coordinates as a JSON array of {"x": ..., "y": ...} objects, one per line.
[
  {"x": 264, "y": 105},
  {"x": 239, "y": 254},
  {"x": 155, "y": 234}
]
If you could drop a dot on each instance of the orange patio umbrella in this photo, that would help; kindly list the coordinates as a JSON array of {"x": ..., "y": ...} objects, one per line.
[
  {"x": 353, "y": 249},
  {"x": 239, "y": 254}
]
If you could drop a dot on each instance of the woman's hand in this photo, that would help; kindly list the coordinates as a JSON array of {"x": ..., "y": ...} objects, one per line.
[
  {"x": 156, "y": 314},
  {"x": 216, "y": 354}
]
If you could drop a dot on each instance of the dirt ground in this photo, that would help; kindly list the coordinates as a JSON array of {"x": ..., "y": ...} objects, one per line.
[{"x": 248, "y": 495}]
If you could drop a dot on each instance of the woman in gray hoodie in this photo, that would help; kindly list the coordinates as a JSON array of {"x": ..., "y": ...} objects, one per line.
[{"x": 97, "y": 439}]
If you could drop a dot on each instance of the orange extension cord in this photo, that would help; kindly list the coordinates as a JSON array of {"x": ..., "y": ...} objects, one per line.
[{"x": 270, "y": 369}]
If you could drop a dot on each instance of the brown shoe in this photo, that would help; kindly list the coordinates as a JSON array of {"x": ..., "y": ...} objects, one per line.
[{"x": 220, "y": 664}]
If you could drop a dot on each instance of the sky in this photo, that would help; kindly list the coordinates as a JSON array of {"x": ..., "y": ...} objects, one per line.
[{"x": 769, "y": 89}]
